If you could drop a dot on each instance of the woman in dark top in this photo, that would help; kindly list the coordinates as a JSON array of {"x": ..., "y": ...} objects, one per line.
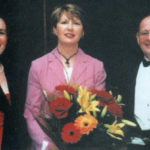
[{"x": 4, "y": 90}]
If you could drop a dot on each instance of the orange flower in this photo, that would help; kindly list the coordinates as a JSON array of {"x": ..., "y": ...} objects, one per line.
[{"x": 85, "y": 123}]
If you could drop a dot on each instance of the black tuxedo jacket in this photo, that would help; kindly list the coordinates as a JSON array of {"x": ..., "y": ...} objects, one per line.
[
  {"x": 123, "y": 82},
  {"x": 128, "y": 89}
]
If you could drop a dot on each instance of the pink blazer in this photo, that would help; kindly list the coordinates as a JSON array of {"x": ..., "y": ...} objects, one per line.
[{"x": 45, "y": 73}]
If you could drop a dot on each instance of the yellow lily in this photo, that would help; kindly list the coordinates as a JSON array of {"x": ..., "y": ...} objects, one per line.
[
  {"x": 84, "y": 100},
  {"x": 66, "y": 95},
  {"x": 119, "y": 98},
  {"x": 113, "y": 136},
  {"x": 104, "y": 111},
  {"x": 129, "y": 123},
  {"x": 115, "y": 128}
]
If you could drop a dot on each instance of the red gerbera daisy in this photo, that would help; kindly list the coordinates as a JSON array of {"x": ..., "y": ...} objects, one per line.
[
  {"x": 60, "y": 107},
  {"x": 68, "y": 88},
  {"x": 70, "y": 134},
  {"x": 115, "y": 109}
]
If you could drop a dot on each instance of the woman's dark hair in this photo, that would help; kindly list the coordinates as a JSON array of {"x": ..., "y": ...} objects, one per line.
[
  {"x": 4, "y": 18},
  {"x": 4, "y": 57},
  {"x": 72, "y": 9}
]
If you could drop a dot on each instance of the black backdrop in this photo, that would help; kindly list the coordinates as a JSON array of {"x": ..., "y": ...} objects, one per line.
[{"x": 109, "y": 36}]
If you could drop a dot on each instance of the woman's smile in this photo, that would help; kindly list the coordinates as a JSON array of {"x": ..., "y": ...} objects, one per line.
[{"x": 69, "y": 35}]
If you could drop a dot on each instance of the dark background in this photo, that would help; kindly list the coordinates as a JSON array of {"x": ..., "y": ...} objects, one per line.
[{"x": 109, "y": 36}]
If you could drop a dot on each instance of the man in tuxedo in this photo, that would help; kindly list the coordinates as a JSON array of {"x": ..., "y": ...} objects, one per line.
[{"x": 136, "y": 91}]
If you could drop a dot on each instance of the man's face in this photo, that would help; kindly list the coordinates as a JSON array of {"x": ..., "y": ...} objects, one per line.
[{"x": 143, "y": 36}]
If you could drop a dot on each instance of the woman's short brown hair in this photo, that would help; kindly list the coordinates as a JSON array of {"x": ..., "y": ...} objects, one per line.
[{"x": 72, "y": 9}]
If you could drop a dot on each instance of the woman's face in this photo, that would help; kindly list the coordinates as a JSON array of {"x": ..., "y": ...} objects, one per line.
[
  {"x": 68, "y": 30},
  {"x": 3, "y": 36}
]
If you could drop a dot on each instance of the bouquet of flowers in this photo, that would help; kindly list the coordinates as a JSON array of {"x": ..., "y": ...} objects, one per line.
[{"x": 78, "y": 113}]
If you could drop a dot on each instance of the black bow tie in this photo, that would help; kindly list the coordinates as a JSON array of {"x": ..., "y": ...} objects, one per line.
[{"x": 146, "y": 63}]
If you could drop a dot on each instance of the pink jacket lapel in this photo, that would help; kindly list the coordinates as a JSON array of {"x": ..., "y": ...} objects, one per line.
[
  {"x": 56, "y": 66},
  {"x": 80, "y": 66}
]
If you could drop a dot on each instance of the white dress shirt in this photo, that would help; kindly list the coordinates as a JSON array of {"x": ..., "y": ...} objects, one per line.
[
  {"x": 142, "y": 97},
  {"x": 68, "y": 73}
]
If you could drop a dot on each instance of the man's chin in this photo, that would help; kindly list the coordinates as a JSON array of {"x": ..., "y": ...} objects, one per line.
[{"x": 147, "y": 54}]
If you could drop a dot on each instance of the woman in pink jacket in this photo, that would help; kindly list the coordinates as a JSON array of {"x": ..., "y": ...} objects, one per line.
[{"x": 66, "y": 64}]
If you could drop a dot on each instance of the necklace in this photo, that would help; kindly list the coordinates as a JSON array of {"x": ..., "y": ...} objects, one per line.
[{"x": 67, "y": 59}]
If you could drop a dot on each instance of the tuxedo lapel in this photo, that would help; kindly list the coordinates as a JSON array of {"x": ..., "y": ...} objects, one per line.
[{"x": 132, "y": 87}]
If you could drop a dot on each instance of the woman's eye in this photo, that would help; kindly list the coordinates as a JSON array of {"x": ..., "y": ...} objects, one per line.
[
  {"x": 76, "y": 23},
  {"x": 64, "y": 22},
  {"x": 1, "y": 32}
]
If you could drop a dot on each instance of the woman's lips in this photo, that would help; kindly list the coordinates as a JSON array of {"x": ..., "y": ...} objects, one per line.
[{"x": 69, "y": 35}]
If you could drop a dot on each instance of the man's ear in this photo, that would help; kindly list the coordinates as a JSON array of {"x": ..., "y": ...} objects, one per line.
[{"x": 137, "y": 37}]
